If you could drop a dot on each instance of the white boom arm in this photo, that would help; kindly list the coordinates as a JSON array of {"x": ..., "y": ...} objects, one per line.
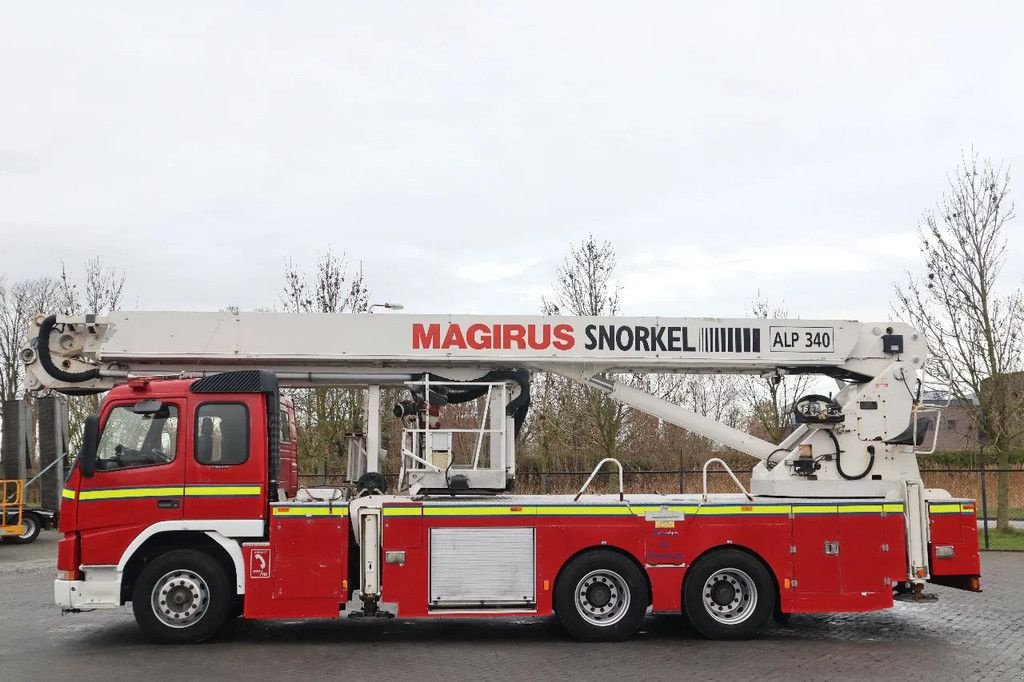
[
  {"x": 879, "y": 362},
  {"x": 327, "y": 349}
]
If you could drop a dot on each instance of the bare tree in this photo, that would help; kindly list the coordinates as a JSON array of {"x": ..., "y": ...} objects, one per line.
[
  {"x": 585, "y": 283},
  {"x": 770, "y": 398},
  {"x": 18, "y": 303},
  {"x": 330, "y": 289},
  {"x": 325, "y": 415},
  {"x": 973, "y": 330}
]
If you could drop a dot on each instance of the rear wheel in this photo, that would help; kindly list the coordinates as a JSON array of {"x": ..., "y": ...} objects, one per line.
[
  {"x": 728, "y": 594},
  {"x": 31, "y": 524},
  {"x": 601, "y": 596},
  {"x": 182, "y": 596}
]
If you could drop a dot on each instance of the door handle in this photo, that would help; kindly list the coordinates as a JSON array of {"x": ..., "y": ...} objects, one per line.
[{"x": 168, "y": 504}]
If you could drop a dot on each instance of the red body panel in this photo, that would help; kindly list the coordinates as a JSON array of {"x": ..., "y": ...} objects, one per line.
[
  {"x": 69, "y": 553},
  {"x": 114, "y": 507},
  {"x": 242, "y": 487},
  {"x": 954, "y": 524},
  {"x": 859, "y": 577},
  {"x": 301, "y": 572}
]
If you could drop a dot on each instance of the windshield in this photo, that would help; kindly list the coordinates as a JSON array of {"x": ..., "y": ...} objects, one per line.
[{"x": 133, "y": 440}]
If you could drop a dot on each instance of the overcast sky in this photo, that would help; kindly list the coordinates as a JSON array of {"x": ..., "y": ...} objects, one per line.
[{"x": 457, "y": 149}]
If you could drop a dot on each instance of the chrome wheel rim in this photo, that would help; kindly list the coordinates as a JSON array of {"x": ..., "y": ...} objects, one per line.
[
  {"x": 729, "y": 596},
  {"x": 602, "y": 597},
  {"x": 180, "y": 598}
]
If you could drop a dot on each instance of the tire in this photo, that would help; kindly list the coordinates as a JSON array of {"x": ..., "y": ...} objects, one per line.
[
  {"x": 601, "y": 596},
  {"x": 31, "y": 525},
  {"x": 193, "y": 595},
  {"x": 728, "y": 594}
]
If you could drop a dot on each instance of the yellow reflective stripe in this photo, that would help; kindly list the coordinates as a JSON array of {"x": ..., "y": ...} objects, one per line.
[
  {"x": 860, "y": 508},
  {"x": 167, "y": 491},
  {"x": 403, "y": 511},
  {"x": 944, "y": 508},
  {"x": 815, "y": 509},
  {"x": 583, "y": 511},
  {"x": 221, "y": 490},
  {"x": 479, "y": 511},
  {"x": 127, "y": 493},
  {"x": 309, "y": 511},
  {"x": 968, "y": 508},
  {"x": 67, "y": 494},
  {"x": 640, "y": 510},
  {"x": 733, "y": 509},
  {"x": 647, "y": 509}
]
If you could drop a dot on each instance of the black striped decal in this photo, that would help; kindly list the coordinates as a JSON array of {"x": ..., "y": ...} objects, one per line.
[{"x": 729, "y": 340}]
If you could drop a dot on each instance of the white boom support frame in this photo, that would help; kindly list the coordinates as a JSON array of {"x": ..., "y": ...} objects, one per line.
[{"x": 374, "y": 350}]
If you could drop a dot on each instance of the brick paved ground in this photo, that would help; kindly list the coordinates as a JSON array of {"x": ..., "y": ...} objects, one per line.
[{"x": 963, "y": 636}]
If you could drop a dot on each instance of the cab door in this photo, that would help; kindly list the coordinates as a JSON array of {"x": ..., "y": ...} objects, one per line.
[
  {"x": 139, "y": 478},
  {"x": 226, "y": 470}
]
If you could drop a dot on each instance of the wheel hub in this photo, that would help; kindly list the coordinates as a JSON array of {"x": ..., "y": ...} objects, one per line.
[
  {"x": 602, "y": 597},
  {"x": 599, "y": 594},
  {"x": 729, "y": 596},
  {"x": 723, "y": 593},
  {"x": 180, "y": 598}
]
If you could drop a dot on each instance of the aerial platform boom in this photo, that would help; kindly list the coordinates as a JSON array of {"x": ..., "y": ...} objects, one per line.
[{"x": 876, "y": 365}]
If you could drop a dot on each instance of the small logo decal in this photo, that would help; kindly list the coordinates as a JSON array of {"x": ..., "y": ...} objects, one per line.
[{"x": 259, "y": 563}]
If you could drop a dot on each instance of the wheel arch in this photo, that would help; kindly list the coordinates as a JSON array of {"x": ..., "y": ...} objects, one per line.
[
  {"x": 610, "y": 548},
  {"x": 156, "y": 541}
]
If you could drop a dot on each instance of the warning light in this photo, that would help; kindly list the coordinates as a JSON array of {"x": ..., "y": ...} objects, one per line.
[{"x": 547, "y": 585}]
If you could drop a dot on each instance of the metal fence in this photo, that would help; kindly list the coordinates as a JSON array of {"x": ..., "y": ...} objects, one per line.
[{"x": 977, "y": 484}]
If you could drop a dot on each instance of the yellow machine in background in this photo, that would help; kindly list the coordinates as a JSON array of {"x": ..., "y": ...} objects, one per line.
[{"x": 12, "y": 502}]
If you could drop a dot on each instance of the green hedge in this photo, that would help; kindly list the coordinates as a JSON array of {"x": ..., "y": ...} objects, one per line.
[{"x": 966, "y": 459}]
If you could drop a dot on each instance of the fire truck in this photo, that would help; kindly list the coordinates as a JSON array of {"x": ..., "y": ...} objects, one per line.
[{"x": 182, "y": 504}]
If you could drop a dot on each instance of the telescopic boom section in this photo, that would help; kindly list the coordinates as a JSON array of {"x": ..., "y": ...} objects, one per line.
[
  {"x": 81, "y": 354},
  {"x": 87, "y": 352}
]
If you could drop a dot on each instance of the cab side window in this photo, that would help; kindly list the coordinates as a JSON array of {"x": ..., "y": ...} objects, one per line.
[
  {"x": 284, "y": 427},
  {"x": 222, "y": 434},
  {"x": 138, "y": 436}
]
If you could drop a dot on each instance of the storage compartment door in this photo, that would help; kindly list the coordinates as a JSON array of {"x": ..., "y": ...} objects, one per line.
[{"x": 472, "y": 568}]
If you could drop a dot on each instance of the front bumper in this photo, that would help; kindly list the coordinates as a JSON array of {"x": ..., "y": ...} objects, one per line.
[{"x": 101, "y": 589}]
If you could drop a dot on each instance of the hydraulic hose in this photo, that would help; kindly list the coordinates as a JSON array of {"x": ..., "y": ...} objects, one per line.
[
  {"x": 839, "y": 464},
  {"x": 517, "y": 408},
  {"x": 43, "y": 352}
]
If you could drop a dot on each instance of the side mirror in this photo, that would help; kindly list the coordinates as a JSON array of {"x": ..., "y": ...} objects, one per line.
[{"x": 90, "y": 444}]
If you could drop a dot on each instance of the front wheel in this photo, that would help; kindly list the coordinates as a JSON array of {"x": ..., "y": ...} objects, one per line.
[
  {"x": 728, "y": 594},
  {"x": 601, "y": 596},
  {"x": 182, "y": 596}
]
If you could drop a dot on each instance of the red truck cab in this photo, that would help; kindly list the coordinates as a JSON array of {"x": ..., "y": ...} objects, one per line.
[{"x": 178, "y": 462}]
